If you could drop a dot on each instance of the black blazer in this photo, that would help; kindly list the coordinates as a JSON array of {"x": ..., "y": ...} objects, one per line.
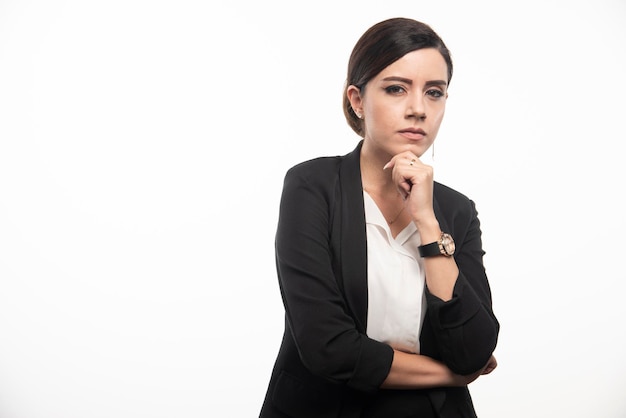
[{"x": 327, "y": 366}]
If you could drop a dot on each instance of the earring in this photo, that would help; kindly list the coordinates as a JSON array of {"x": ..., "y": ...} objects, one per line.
[{"x": 433, "y": 151}]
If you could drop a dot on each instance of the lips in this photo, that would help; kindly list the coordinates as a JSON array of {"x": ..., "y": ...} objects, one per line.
[{"x": 413, "y": 133}]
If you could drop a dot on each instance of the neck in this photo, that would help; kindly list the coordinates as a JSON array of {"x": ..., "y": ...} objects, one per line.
[{"x": 373, "y": 177}]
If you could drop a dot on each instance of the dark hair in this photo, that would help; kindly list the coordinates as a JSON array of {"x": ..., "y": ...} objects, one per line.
[{"x": 380, "y": 46}]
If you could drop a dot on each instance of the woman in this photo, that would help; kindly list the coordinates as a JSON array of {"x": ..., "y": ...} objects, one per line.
[{"x": 388, "y": 307}]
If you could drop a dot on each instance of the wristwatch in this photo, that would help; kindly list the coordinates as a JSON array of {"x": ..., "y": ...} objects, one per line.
[{"x": 445, "y": 246}]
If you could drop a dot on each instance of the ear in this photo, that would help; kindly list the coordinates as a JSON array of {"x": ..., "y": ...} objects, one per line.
[{"x": 354, "y": 96}]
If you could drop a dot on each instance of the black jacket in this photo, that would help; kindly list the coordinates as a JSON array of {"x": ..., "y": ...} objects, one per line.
[{"x": 327, "y": 366}]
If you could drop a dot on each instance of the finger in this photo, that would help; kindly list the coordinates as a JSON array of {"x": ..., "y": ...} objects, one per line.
[
  {"x": 491, "y": 366},
  {"x": 487, "y": 371},
  {"x": 405, "y": 189},
  {"x": 408, "y": 157}
]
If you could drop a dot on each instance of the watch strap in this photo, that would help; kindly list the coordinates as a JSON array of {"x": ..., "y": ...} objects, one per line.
[{"x": 429, "y": 250}]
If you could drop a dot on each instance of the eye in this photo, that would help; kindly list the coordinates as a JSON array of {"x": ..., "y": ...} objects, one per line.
[
  {"x": 395, "y": 89},
  {"x": 435, "y": 93}
]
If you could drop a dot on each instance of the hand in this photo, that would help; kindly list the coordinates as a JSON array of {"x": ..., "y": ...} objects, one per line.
[
  {"x": 490, "y": 366},
  {"x": 414, "y": 181},
  {"x": 463, "y": 380}
]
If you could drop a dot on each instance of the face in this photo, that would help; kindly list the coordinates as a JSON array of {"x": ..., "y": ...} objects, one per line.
[{"x": 403, "y": 106}]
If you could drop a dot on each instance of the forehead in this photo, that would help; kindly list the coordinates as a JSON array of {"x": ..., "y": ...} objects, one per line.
[{"x": 426, "y": 64}]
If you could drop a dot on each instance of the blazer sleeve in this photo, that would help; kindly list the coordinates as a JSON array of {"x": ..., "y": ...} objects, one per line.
[
  {"x": 465, "y": 327},
  {"x": 328, "y": 341}
]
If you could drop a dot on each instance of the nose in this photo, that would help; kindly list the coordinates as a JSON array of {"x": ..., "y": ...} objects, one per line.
[{"x": 416, "y": 107}]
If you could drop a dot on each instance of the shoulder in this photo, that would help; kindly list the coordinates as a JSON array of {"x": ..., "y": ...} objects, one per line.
[
  {"x": 325, "y": 166},
  {"x": 451, "y": 201},
  {"x": 449, "y": 194},
  {"x": 316, "y": 166},
  {"x": 319, "y": 171},
  {"x": 315, "y": 177}
]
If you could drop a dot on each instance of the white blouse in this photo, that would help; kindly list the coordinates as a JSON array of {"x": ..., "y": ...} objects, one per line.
[{"x": 395, "y": 276}]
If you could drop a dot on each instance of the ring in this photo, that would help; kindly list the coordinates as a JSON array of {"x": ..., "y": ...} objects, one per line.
[{"x": 412, "y": 161}]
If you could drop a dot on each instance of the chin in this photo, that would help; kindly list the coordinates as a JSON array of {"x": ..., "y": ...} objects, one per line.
[{"x": 417, "y": 149}]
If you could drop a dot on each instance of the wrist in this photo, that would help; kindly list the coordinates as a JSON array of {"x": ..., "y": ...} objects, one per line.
[
  {"x": 442, "y": 246},
  {"x": 429, "y": 231}
]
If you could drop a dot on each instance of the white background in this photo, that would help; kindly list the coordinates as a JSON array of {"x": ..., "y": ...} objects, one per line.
[{"x": 142, "y": 150}]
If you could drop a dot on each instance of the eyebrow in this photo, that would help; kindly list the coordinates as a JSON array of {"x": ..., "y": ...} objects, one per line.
[{"x": 408, "y": 81}]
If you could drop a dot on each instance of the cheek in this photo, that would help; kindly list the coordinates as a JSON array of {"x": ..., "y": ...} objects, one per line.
[
  {"x": 386, "y": 114},
  {"x": 374, "y": 116},
  {"x": 437, "y": 115},
  {"x": 435, "y": 121}
]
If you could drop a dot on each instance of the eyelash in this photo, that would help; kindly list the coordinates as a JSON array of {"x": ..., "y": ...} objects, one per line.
[
  {"x": 395, "y": 89},
  {"x": 435, "y": 93}
]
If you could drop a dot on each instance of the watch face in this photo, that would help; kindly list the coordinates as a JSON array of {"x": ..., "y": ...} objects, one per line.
[{"x": 448, "y": 244}]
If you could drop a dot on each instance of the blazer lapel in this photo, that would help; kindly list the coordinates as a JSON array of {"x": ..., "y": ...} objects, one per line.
[{"x": 353, "y": 237}]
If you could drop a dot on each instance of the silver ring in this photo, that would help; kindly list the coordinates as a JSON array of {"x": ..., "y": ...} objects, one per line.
[{"x": 412, "y": 161}]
